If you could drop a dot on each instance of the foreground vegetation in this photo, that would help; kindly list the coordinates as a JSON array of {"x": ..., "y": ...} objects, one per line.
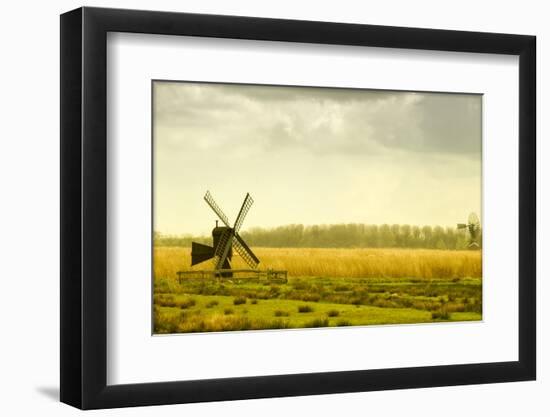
[{"x": 327, "y": 287}]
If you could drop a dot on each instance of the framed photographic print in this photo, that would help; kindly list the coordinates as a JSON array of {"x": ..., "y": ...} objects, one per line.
[{"x": 259, "y": 207}]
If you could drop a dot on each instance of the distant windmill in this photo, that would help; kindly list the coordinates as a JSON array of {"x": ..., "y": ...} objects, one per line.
[
  {"x": 474, "y": 228},
  {"x": 225, "y": 239}
]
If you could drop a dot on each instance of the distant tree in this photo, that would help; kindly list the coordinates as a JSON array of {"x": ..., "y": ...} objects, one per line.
[
  {"x": 427, "y": 237},
  {"x": 387, "y": 238},
  {"x": 350, "y": 235},
  {"x": 406, "y": 236},
  {"x": 371, "y": 238},
  {"x": 416, "y": 236},
  {"x": 440, "y": 244}
]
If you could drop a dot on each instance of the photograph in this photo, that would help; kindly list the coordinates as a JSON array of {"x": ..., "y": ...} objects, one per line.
[
  {"x": 345, "y": 210},
  {"x": 282, "y": 207}
]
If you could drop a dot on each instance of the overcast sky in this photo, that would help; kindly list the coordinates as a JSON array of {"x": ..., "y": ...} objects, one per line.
[{"x": 313, "y": 155}]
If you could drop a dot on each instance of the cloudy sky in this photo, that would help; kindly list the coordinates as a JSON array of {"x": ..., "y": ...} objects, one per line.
[{"x": 313, "y": 155}]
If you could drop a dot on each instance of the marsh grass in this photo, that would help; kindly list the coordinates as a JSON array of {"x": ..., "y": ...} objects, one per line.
[{"x": 351, "y": 263}]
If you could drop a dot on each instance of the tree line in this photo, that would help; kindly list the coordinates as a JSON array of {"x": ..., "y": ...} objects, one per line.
[{"x": 341, "y": 236}]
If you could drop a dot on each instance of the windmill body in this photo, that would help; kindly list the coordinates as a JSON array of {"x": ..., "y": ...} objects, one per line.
[
  {"x": 201, "y": 253},
  {"x": 474, "y": 230}
]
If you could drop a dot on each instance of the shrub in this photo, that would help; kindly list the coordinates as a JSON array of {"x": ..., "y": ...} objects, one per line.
[
  {"x": 228, "y": 311},
  {"x": 441, "y": 315},
  {"x": 167, "y": 303},
  {"x": 274, "y": 291},
  {"x": 164, "y": 285},
  {"x": 216, "y": 323},
  {"x": 333, "y": 313},
  {"x": 356, "y": 302},
  {"x": 271, "y": 324},
  {"x": 305, "y": 309},
  {"x": 382, "y": 303},
  {"x": 455, "y": 307},
  {"x": 317, "y": 323},
  {"x": 281, "y": 313},
  {"x": 342, "y": 323},
  {"x": 254, "y": 301},
  {"x": 310, "y": 297},
  {"x": 300, "y": 284},
  {"x": 190, "y": 302},
  {"x": 473, "y": 305},
  {"x": 239, "y": 300},
  {"x": 212, "y": 303},
  {"x": 165, "y": 300}
]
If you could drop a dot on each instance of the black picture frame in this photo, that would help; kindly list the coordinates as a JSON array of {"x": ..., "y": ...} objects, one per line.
[{"x": 84, "y": 207}]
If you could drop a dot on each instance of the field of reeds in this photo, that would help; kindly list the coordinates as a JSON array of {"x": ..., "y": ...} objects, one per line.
[
  {"x": 347, "y": 263},
  {"x": 326, "y": 288}
]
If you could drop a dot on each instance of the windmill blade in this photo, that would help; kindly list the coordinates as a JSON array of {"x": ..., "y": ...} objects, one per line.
[
  {"x": 246, "y": 253},
  {"x": 222, "y": 250},
  {"x": 473, "y": 219},
  {"x": 210, "y": 200},
  {"x": 247, "y": 203},
  {"x": 200, "y": 253}
]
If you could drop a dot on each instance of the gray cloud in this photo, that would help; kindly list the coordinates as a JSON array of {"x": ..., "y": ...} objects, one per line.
[{"x": 320, "y": 119}]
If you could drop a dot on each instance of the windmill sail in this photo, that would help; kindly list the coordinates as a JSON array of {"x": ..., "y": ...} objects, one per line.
[
  {"x": 247, "y": 203},
  {"x": 210, "y": 200},
  {"x": 200, "y": 253},
  {"x": 246, "y": 253}
]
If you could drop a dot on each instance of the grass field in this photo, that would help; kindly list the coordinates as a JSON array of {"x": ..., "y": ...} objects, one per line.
[{"x": 326, "y": 287}]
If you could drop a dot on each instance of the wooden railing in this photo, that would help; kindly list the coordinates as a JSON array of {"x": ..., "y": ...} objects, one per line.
[{"x": 237, "y": 274}]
